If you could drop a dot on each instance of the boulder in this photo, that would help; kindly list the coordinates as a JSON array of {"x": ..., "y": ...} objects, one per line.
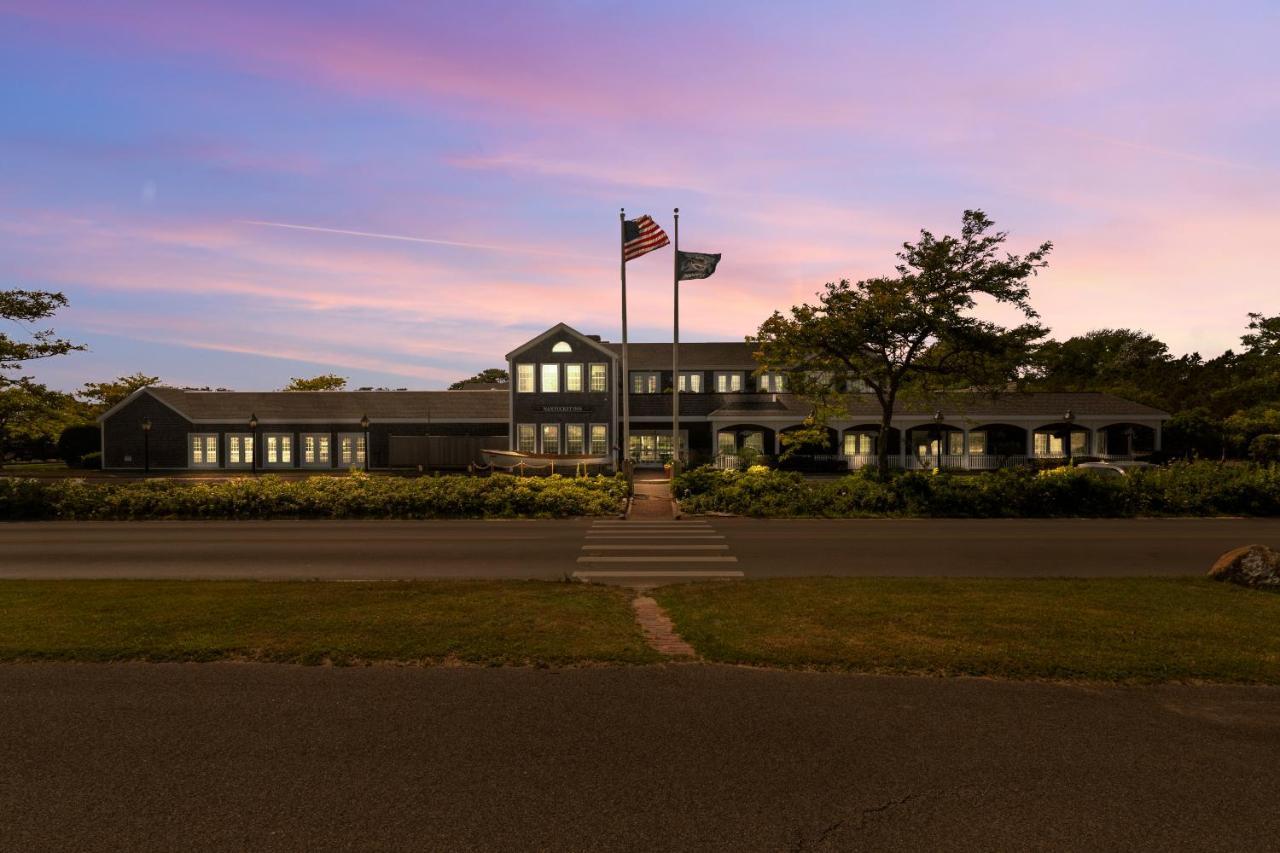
[{"x": 1254, "y": 566}]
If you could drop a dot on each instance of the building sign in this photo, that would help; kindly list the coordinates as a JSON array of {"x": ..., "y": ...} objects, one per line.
[{"x": 560, "y": 410}]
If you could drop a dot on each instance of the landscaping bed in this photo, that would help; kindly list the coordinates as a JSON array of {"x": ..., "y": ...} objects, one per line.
[
  {"x": 1131, "y": 629},
  {"x": 1192, "y": 489},
  {"x": 309, "y": 622},
  {"x": 354, "y": 496}
]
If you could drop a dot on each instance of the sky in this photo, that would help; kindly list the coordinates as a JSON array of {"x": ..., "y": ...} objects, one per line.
[{"x": 235, "y": 193}]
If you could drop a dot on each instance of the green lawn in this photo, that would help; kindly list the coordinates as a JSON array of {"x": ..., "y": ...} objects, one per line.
[
  {"x": 30, "y": 469},
  {"x": 482, "y": 622},
  {"x": 1136, "y": 629}
]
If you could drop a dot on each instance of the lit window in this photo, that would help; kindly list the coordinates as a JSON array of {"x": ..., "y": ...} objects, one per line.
[
  {"x": 599, "y": 439},
  {"x": 524, "y": 379},
  {"x": 574, "y": 439},
  {"x": 315, "y": 449},
  {"x": 551, "y": 438},
  {"x": 527, "y": 438},
  {"x": 550, "y": 378},
  {"x": 573, "y": 377},
  {"x": 599, "y": 378},
  {"x": 240, "y": 449},
  {"x": 727, "y": 442},
  {"x": 859, "y": 444},
  {"x": 977, "y": 442},
  {"x": 351, "y": 448},
  {"x": 773, "y": 382},
  {"x": 562, "y": 346},
  {"x": 204, "y": 450},
  {"x": 279, "y": 449},
  {"x": 727, "y": 383},
  {"x": 644, "y": 383},
  {"x": 691, "y": 382}
]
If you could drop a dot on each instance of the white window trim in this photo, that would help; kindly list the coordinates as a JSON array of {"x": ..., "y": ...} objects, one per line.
[
  {"x": 358, "y": 450},
  {"x": 533, "y": 378},
  {"x": 590, "y": 447},
  {"x": 302, "y": 450},
  {"x": 542, "y": 437},
  {"x": 542, "y": 371},
  {"x": 204, "y": 446},
  {"x": 646, "y": 375},
  {"x": 532, "y": 428},
  {"x": 245, "y": 437},
  {"x": 591, "y": 371},
  {"x": 729, "y": 381},
  {"x": 691, "y": 375},
  {"x": 582, "y": 378},
  {"x": 266, "y": 443},
  {"x": 584, "y": 437}
]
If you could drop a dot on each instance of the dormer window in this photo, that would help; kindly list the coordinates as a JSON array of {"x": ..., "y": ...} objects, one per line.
[{"x": 562, "y": 346}]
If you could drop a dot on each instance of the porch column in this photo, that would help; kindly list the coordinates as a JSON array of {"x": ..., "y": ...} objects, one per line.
[
  {"x": 1031, "y": 441},
  {"x": 1159, "y": 441},
  {"x": 964, "y": 448},
  {"x": 1090, "y": 441}
]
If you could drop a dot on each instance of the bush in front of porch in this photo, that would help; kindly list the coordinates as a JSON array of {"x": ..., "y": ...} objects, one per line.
[{"x": 1189, "y": 489}]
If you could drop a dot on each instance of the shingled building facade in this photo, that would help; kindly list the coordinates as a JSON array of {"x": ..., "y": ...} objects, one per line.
[{"x": 564, "y": 397}]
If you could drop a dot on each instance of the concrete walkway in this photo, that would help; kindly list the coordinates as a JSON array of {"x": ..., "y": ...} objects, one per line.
[{"x": 652, "y": 500}]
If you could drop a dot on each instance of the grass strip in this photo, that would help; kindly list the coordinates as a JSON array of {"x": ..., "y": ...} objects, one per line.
[
  {"x": 1117, "y": 630},
  {"x": 477, "y": 622}
]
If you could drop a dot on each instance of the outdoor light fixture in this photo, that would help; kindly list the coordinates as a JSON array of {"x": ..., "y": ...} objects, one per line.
[
  {"x": 937, "y": 417},
  {"x": 253, "y": 444},
  {"x": 1069, "y": 416},
  {"x": 364, "y": 425},
  {"x": 146, "y": 445}
]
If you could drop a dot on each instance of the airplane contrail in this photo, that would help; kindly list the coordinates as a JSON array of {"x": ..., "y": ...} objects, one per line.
[{"x": 407, "y": 239}]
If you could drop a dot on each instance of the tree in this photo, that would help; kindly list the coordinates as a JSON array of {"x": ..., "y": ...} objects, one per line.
[
  {"x": 323, "y": 382},
  {"x": 31, "y": 418},
  {"x": 103, "y": 395},
  {"x": 489, "y": 376},
  {"x": 29, "y": 306},
  {"x": 1126, "y": 362},
  {"x": 909, "y": 333}
]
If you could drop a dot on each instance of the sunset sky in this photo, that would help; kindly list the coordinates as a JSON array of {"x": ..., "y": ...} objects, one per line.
[{"x": 144, "y": 147}]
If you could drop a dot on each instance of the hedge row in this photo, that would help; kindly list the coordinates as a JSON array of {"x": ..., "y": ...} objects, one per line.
[
  {"x": 355, "y": 496},
  {"x": 1198, "y": 488}
]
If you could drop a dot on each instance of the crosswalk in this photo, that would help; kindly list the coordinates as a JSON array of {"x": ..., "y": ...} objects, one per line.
[{"x": 616, "y": 549}]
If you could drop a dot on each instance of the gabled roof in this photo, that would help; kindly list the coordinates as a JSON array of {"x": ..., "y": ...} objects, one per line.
[
  {"x": 282, "y": 406},
  {"x": 699, "y": 355},
  {"x": 565, "y": 330}
]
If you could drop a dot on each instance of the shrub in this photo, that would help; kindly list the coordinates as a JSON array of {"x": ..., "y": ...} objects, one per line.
[
  {"x": 77, "y": 442},
  {"x": 356, "y": 496},
  {"x": 1199, "y": 488},
  {"x": 1265, "y": 448}
]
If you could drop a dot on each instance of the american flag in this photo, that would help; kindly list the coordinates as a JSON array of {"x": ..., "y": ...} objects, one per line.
[{"x": 641, "y": 236}]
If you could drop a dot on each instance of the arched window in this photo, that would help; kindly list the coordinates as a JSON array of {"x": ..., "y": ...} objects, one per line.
[{"x": 563, "y": 346}]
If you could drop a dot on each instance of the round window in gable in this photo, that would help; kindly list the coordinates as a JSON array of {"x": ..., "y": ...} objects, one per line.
[{"x": 563, "y": 346}]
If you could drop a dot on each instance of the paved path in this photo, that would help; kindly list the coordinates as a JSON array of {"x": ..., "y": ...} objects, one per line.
[
  {"x": 248, "y": 757},
  {"x": 550, "y": 549}
]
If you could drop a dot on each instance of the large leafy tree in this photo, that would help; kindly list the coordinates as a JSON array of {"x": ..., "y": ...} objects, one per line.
[
  {"x": 32, "y": 417},
  {"x": 103, "y": 395},
  {"x": 489, "y": 376},
  {"x": 30, "y": 306},
  {"x": 323, "y": 382},
  {"x": 914, "y": 332}
]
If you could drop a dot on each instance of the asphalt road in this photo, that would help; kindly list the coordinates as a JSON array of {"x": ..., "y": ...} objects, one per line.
[
  {"x": 144, "y": 757},
  {"x": 551, "y": 549}
]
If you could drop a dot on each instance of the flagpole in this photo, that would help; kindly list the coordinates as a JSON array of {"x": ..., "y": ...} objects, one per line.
[
  {"x": 624, "y": 451},
  {"x": 675, "y": 353}
]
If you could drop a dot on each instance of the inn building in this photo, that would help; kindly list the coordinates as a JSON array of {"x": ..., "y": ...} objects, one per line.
[{"x": 564, "y": 397}]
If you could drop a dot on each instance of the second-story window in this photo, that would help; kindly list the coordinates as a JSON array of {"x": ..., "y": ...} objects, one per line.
[
  {"x": 645, "y": 382},
  {"x": 773, "y": 382},
  {"x": 573, "y": 377},
  {"x": 599, "y": 378},
  {"x": 728, "y": 382},
  {"x": 524, "y": 379},
  {"x": 550, "y": 378},
  {"x": 690, "y": 382}
]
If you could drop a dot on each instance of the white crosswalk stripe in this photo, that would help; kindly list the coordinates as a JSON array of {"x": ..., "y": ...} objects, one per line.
[{"x": 683, "y": 545}]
